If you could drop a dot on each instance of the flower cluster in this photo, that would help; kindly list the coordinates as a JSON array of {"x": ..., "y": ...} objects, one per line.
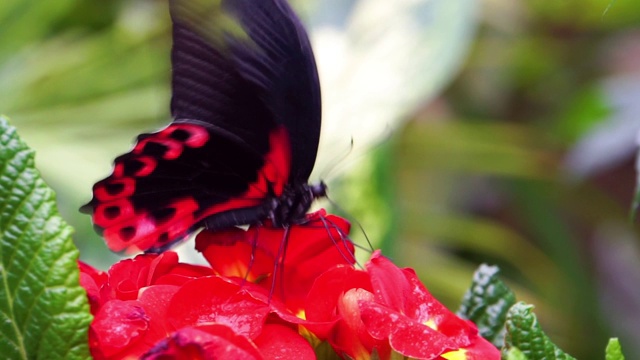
[{"x": 271, "y": 293}]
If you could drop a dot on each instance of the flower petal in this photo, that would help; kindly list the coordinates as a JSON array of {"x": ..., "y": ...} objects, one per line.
[
  {"x": 155, "y": 300},
  {"x": 402, "y": 291},
  {"x": 312, "y": 248},
  {"x": 405, "y": 335},
  {"x": 389, "y": 282},
  {"x": 119, "y": 325},
  {"x": 213, "y": 300},
  {"x": 280, "y": 342},
  {"x": 204, "y": 342},
  {"x": 92, "y": 280}
]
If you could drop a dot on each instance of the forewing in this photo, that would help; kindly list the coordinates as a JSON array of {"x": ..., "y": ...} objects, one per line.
[{"x": 243, "y": 65}]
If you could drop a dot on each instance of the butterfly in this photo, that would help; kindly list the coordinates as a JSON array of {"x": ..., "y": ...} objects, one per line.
[{"x": 244, "y": 136}]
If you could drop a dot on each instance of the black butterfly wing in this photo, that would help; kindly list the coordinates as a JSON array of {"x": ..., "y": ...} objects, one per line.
[
  {"x": 244, "y": 89},
  {"x": 261, "y": 50}
]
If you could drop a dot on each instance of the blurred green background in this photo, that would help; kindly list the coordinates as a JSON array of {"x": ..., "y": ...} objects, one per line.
[{"x": 513, "y": 142}]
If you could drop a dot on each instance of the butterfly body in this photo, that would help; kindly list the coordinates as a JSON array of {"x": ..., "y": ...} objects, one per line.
[
  {"x": 246, "y": 109},
  {"x": 292, "y": 206}
]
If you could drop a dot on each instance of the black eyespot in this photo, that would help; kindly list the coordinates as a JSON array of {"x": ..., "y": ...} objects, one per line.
[
  {"x": 114, "y": 188},
  {"x": 112, "y": 212},
  {"x": 163, "y": 238},
  {"x": 180, "y": 135},
  {"x": 127, "y": 233},
  {"x": 163, "y": 215},
  {"x": 131, "y": 167},
  {"x": 155, "y": 149}
]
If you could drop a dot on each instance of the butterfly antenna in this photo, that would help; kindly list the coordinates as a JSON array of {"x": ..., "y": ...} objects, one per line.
[
  {"x": 337, "y": 160},
  {"x": 342, "y": 210},
  {"x": 386, "y": 136}
]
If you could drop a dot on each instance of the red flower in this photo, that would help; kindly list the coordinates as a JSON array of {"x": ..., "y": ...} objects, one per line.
[
  {"x": 255, "y": 254},
  {"x": 92, "y": 281},
  {"x": 154, "y": 306},
  {"x": 128, "y": 301},
  {"x": 221, "y": 342},
  {"x": 126, "y": 278},
  {"x": 333, "y": 313},
  {"x": 388, "y": 307}
]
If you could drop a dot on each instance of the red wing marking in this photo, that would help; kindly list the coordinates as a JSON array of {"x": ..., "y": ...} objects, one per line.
[
  {"x": 114, "y": 189},
  {"x": 198, "y": 136},
  {"x": 274, "y": 174},
  {"x": 131, "y": 229},
  {"x": 143, "y": 231},
  {"x": 109, "y": 214},
  {"x": 146, "y": 165},
  {"x": 278, "y": 160},
  {"x": 174, "y": 137}
]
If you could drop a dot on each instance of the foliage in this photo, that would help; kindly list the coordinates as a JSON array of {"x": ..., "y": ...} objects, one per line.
[
  {"x": 43, "y": 307},
  {"x": 614, "y": 350},
  {"x": 524, "y": 332},
  {"x": 487, "y": 303}
]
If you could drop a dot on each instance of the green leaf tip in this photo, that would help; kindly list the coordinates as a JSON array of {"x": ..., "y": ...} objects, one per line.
[
  {"x": 525, "y": 333},
  {"x": 515, "y": 354},
  {"x": 614, "y": 350},
  {"x": 44, "y": 311},
  {"x": 487, "y": 302}
]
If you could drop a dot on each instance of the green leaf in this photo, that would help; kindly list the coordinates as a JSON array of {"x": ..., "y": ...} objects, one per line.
[
  {"x": 324, "y": 351},
  {"x": 587, "y": 109},
  {"x": 44, "y": 313},
  {"x": 22, "y": 21},
  {"x": 614, "y": 350},
  {"x": 524, "y": 332},
  {"x": 515, "y": 354},
  {"x": 487, "y": 302}
]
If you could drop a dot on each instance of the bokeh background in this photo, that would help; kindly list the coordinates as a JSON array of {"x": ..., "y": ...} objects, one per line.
[{"x": 496, "y": 131}]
